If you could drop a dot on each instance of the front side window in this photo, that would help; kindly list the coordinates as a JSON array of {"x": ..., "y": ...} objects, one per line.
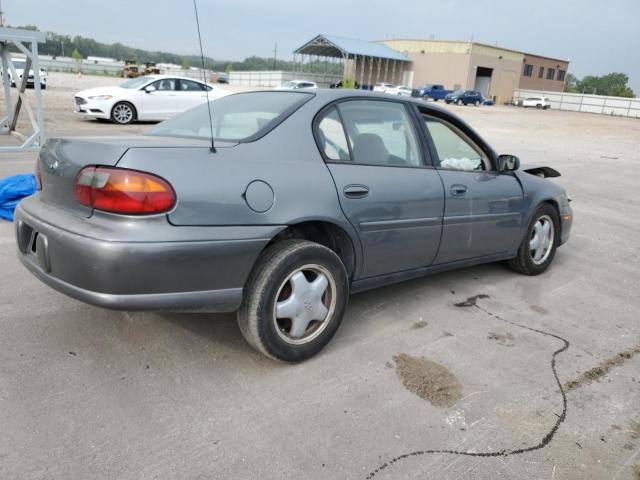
[
  {"x": 333, "y": 142},
  {"x": 455, "y": 150},
  {"x": 380, "y": 133},
  {"x": 236, "y": 118},
  {"x": 165, "y": 85}
]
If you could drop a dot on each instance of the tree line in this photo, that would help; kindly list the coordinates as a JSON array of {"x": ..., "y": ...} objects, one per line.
[
  {"x": 65, "y": 45},
  {"x": 613, "y": 84}
]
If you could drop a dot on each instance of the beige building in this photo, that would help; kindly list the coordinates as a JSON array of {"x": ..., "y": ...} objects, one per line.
[{"x": 494, "y": 71}]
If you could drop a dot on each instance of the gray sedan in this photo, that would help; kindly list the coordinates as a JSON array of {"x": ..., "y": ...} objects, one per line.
[{"x": 303, "y": 198}]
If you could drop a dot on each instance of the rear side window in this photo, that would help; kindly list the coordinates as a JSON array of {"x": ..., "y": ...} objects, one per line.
[
  {"x": 332, "y": 140},
  {"x": 242, "y": 117},
  {"x": 378, "y": 133}
]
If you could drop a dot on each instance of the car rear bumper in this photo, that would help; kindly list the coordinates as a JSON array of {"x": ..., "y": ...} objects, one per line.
[{"x": 166, "y": 270}]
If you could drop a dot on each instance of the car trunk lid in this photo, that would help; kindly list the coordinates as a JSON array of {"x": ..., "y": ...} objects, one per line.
[{"x": 61, "y": 159}]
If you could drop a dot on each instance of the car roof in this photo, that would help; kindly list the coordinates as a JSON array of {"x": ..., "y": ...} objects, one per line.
[{"x": 160, "y": 77}]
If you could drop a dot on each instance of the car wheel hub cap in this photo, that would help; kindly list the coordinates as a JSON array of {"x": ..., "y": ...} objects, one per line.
[
  {"x": 304, "y": 304},
  {"x": 122, "y": 113},
  {"x": 541, "y": 241}
]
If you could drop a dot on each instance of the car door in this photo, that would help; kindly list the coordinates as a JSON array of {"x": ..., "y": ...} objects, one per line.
[
  {"x": 162, "y": 102},
  {"x": 394, "y": 201},
  {"x": 483, "y": 211},
  {"x": 190, "y": 94}
]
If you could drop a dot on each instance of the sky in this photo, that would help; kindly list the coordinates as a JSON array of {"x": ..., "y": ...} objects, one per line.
[{"x": 597, "y": 37}]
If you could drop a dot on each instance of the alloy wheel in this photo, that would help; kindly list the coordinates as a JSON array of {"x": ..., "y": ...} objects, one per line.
[{"x": 123, "y": 113}]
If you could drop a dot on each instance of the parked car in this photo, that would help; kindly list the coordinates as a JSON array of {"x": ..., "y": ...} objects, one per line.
[
  {"x": 152, "y": 97},
  {"x": 464, "y": 97},
  {"x": 165, "y": 221},
  {"x": 433, "y": 91},
  {"x": 400, "y": 90},
  {"x": 488, "y": 101},
  {"x": 538, "y": 102},
  {"x": 383, "y": 87},
  {"x": 223, "y": 78},
  {"x": 19, "y": 65},
  {"x": 297, "y": 85}
]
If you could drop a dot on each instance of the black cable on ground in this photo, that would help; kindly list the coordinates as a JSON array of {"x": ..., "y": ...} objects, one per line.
[{"x": 472, "y": 302}]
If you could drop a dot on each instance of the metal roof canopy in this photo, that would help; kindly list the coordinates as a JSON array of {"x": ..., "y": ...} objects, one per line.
[
  {"x": 19, "y": 38},
  {"x": 339, "y": 47}
]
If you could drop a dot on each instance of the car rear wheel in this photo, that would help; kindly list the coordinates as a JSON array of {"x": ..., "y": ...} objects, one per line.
[
  {"x": 538, "y": 248},
  {"x": 123, "y": 113},
  {"x": 294, "y": 300},
  {"x": 476, "y": 103}
]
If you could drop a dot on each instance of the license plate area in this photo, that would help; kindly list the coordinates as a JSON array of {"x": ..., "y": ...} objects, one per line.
[{"x": 32, "y": 242}]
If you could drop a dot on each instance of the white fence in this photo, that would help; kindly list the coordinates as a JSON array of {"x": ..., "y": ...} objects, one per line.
[
  {"x": 578, "y": 102},
  {"x": 276, "y": 78}
]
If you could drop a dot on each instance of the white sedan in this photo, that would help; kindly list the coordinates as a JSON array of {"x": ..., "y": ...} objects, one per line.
[
  {"x": 383, "y": 87},
  {"x": 297, "y": 84},
  {"x": 152, "y": 97},
  {"x": 399, "y": 90}
]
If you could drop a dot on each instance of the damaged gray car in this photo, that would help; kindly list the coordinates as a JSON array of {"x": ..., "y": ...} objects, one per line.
[{"x": 299, "y": 199}]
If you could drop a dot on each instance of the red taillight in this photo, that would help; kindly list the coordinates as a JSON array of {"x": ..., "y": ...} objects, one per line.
[
  {"x": 38, "y": 175},
  {"x": 119, "y": 190}
]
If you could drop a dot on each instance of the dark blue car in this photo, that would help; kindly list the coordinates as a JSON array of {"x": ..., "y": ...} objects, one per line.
[{"x": 464, "y": 97}]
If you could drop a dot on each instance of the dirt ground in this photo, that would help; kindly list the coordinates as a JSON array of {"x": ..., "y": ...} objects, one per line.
[{"x": 534, "y": 377}]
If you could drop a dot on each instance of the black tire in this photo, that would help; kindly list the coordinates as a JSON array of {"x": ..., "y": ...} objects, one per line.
[
  {"x": 523, "y": 261},
  {"x": 43, "y": 87},
  {"x": 476, "y": 103},
  {"x": 538, "y": 106},
  {"x": 459, "y": 102},
  {"x": 120, "y": 119},
  {"x": 269, "y": 277},
  {"x": 435, "y": 99}
]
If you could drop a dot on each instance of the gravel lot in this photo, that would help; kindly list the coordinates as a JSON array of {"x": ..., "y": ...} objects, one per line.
[{"x": 90, "y": 393}]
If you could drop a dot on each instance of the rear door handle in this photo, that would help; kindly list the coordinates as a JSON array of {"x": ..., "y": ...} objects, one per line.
[
  {"x": 356, "y": 191},
  {"x": 458, "y": 190}
]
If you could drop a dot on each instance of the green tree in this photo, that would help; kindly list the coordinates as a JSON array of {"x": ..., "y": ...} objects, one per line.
[
  {"x": 186, "y": 64},
  {"x": 571, "y": 83},
  {"x": 613, "y": 84},
  {"x": 228, "y": 68},
  {"x": 77, "y": 57}
]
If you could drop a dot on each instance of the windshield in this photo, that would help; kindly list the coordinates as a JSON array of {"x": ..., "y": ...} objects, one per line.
[
  {"x": 289, "y": 84},
  {"x": 458, "y": 92},
  {"x": 235, "y": 118},
  {"x": 136, "y": 82}
]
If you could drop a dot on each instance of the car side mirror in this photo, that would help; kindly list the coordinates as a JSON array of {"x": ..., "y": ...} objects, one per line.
[
  {"x": 508, "y": 163},
  {"x": 149, "y": 88}
]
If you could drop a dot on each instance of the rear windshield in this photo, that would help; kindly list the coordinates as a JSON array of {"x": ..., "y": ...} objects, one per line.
[{"x": 236, "y": 118}]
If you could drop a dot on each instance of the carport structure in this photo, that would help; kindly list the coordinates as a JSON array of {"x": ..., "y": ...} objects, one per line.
[
  {"x": 26, "y": 42},
  {"x": 366, "y": 62}
]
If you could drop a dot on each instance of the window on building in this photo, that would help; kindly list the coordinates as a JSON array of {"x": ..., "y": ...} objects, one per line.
[
  {"x": 528, "y": 70},
  {"x": 561, "y": 74},
  {"x": 551, "y": 73},
  {"x": 541, "y": 72}
]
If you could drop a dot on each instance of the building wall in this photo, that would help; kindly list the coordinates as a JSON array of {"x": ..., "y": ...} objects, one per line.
[
  {"x": 450, "y": 70},
  {"x": 534, "y": 82},
  {"x": 505, "y": 65}
]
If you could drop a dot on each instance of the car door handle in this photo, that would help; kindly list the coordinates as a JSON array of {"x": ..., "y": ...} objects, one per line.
[
  {"x": 356, "y": 191},
  {"x": 458, "y": 190}
]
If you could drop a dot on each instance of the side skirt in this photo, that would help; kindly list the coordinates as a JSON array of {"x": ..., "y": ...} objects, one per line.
[{"x": 380, "y": 280}]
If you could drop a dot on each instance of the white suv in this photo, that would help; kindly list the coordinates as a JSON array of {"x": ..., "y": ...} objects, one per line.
[{"x": 538, "y": 102}]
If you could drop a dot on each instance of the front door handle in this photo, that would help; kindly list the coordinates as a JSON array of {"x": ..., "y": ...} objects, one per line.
[
  {"x": 458, "y": 190},
  {"x": 356, "y": 191}
]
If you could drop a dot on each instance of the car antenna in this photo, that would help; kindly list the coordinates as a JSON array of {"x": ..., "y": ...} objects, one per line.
[{"x": 204, "y": 78}]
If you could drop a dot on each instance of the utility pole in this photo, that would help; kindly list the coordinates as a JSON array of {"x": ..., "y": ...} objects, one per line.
[
  {"x": 275, "y": 55},
  {"x": 1, "y": 16}
]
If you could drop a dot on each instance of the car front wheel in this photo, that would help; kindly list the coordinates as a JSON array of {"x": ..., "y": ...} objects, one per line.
[
  {"x": 459, "y": 102},
  {"x": 476, "y": 103},
  {"x": 294, "y": 300},
  {"x": 123, "y": 113},
  {"x": 539, "y": 245}
]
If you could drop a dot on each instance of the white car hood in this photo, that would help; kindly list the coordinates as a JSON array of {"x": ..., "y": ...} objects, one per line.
[{"x": 113, "y": 91}]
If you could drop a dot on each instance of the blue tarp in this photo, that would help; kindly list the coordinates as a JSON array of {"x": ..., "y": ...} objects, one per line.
[{"x": 12, "y": 190}]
